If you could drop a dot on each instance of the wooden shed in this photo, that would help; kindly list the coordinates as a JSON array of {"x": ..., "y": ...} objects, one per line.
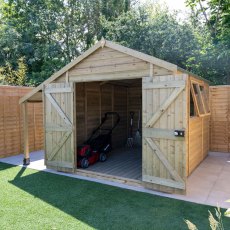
[{"x": 109, "y": 77}]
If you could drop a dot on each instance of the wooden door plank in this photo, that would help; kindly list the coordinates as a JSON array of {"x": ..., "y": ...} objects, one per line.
[
  {"x": 60, "y": 143},
  {"x": 164, "y": 106},
  {"x": 164, "y": 84},
  {"x": 164, "y": 111},
  {"x": 56, "y": 164},
  {"x": 58, "y": 108},
  {"x": 161, "y": 133},
  {"x": 59, "y": 125},
  {"x": 164, "y": 181},
  {"x": 59, "y": 90},
  {"x": 57, "y": 128},
  {"x": 163, "y": 159}
]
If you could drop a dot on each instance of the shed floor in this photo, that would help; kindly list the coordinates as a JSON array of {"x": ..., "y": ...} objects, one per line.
[
  {"x": 123, "y": 162},
  {"x": 208, "y": 184}
]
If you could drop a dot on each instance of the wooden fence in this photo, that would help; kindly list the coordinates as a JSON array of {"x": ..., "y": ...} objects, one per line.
[
  {"x": 11, "y": 122},
  {"x": 220, "y": 118}
]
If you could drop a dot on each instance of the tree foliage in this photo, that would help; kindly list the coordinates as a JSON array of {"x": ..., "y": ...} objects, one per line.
[
  {"x": 156, "y": 33},
  {"x": 214, "y": 16},
  {"x": 51, "y": 33},
  {"x": 14, "y": 76}
]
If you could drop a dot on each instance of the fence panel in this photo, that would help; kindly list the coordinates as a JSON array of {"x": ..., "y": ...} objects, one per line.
[
  {"x": 220, "y": 118},
  {"x": 11, "y": 122}
]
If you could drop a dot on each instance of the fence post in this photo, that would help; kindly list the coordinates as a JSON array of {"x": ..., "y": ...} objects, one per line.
[{"x": 26, "y": 160}]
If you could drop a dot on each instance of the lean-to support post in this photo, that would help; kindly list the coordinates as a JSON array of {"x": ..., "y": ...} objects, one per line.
[{"x": 26, "y": 160}]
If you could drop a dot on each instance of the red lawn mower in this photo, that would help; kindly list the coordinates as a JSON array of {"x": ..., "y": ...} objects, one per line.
[{"x": 98, "y": 145}]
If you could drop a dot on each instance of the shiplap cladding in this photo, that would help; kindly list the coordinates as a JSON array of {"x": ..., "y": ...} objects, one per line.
[{"x": 198, "y": 135}]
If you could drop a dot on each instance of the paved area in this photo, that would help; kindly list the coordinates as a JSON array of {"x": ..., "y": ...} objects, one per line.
[{"x": 208, "y": 184}]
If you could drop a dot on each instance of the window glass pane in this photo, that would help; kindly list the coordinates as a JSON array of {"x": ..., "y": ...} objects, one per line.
[
  {"x": 192, "y": 106},
  {"x": 198, "y": 98},
  {"x": 195, "y": 88},
  {"x": 205, "y": 98}
]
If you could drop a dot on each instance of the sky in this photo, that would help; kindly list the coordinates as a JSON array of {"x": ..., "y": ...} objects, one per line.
[
  {"x": 172, "y": 4},
  {"x": 175, "y": 4},
  {"x": 178, "y": 5}
]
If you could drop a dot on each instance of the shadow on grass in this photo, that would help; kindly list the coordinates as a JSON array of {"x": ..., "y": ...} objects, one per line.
[
  {"x": 105, "y": 207},
  {"x": 4, "y": 166}
]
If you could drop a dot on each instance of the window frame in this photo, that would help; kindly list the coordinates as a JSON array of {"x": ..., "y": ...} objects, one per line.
[{"x": 200, "y": 99}]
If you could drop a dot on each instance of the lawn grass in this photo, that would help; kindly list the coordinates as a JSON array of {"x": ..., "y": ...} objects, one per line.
[{"x": 31, "y": 199}]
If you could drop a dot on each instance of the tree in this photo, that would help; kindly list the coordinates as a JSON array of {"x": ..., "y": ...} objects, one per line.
[
  {"x": 156, "y": 33},
  {"x": 51, "y": 33},
  {"x": 216, "y": 14},
  {"x": 111, "y": 9},
  {"x": 11, "y": 76},
  {"x": 216, "y": 21}
]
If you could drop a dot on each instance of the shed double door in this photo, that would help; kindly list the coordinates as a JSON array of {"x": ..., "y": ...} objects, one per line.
[
  {"x": 164, "y": 114},
  {"x": 59, "y": 126}
]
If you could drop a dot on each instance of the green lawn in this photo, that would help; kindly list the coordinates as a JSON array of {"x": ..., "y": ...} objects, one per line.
[{"x": 30, "y": 199}]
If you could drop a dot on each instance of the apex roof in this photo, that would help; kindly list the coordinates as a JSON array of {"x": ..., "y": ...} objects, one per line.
[{"x": 98, "y": 45}]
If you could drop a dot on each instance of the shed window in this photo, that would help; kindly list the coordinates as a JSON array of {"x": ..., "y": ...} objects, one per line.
[
  {"x": 195, "y": 89},
  {"x": 200, "y": 100},
  {"x": 192, "y": 107},
  {"x": 205, "y": 99}
]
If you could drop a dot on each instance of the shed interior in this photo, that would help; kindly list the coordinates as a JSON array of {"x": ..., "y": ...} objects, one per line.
[{"x": 93, "y": 100}]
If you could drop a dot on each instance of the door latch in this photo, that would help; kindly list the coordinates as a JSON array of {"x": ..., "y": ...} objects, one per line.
[{"x": 179, "y": 133}]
